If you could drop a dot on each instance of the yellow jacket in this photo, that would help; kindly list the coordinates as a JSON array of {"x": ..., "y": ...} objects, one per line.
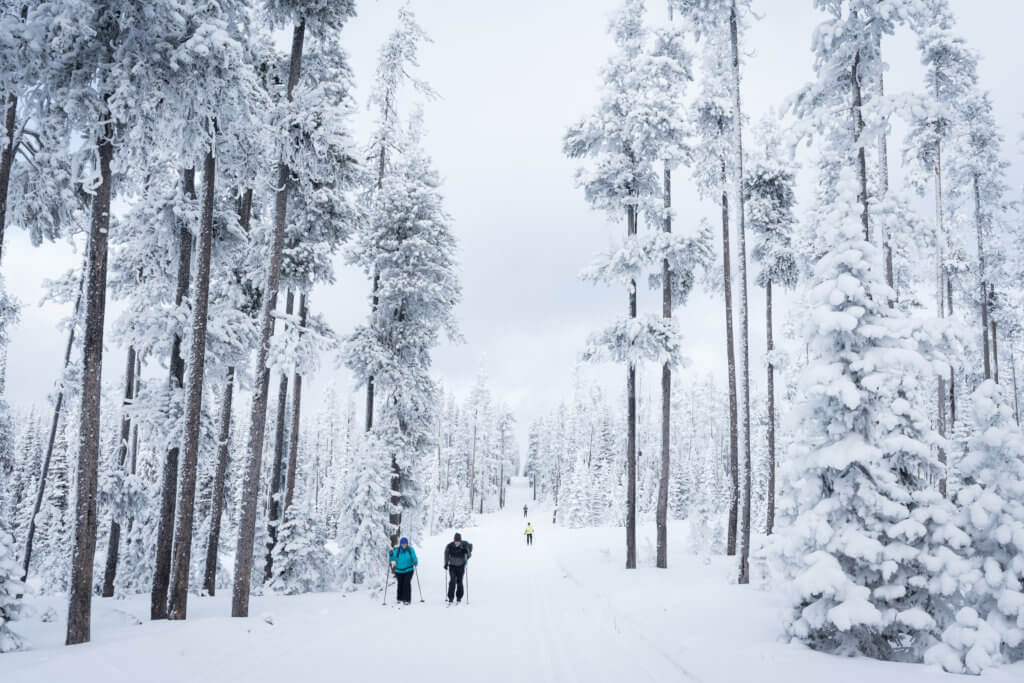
[{"x": 529, "y": 529}]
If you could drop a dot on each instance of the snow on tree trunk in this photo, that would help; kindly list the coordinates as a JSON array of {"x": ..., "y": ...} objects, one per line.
[
  {"x": 258, "y": 414},
  {"x": 182, "y": 554},
  {"x": 169, "y": 475},
  {"x": 293, "y": 436},
  {"x": 770, "y": 518},
  {"x": 730, "y": 353},
  {"x": 217, "y": 495},
  {"x": 80, "y": 598},
  {"x": 114, "y": 537},
  {"x": 277, "y": 469},
  {"x": 744, "y": 576},
  {"x": 666, "y": 394},
  {"x": 631, "y": 230},
  {"x": 983, "y": 299}
]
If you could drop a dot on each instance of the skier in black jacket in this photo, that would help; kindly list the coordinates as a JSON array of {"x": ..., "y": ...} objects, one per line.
[{"x": 456, "y": 554}]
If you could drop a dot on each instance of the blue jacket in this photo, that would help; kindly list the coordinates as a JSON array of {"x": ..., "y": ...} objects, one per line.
[{"x": 405, "y": 560}]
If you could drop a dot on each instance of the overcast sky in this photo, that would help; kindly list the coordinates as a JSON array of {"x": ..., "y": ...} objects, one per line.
[{"x": 512, "y": 76}]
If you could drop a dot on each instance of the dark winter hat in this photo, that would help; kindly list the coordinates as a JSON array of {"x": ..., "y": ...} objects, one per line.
[
  {"x": 403, "y": 541},
  {"x": 458, "y": 536}
]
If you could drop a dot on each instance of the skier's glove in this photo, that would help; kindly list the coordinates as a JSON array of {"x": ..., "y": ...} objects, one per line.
[{"x": 446, "y": 567}]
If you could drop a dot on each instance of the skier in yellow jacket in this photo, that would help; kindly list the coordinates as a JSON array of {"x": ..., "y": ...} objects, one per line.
[{"x": 529, "y": 533}]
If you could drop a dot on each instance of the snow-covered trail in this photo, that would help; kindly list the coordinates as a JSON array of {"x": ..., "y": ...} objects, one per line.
[
  {"x": 561, "y": 611},
  {"x": 527, "y": 620}
]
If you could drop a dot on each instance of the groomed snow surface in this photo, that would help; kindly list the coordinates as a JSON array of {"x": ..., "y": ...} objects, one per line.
[{"x": 562, "y": 611}]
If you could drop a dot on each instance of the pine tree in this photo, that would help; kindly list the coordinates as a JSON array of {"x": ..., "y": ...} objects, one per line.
[
  {"x": 10, "y": 589},
  {"x": 989, "y": 628},
  {"x": 870, "y": 548},
  {"x": 770, "y": 199}
]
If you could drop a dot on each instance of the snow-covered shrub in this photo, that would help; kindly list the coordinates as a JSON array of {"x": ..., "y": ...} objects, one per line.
[{"x": 302, "y": 563}]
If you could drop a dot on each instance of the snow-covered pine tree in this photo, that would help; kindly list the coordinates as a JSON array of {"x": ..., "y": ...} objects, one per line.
[
  {"x": 10, "y": 589},
  {"x": 989, "y": 628},
  {"x": 871, "y": 549}
]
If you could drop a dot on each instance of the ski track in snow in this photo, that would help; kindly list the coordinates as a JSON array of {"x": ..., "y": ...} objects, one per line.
[{"x": 561, "y": 611}]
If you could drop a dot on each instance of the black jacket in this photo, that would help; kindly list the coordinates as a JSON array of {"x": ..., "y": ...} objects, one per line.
[{"x": 456, "y": 556}]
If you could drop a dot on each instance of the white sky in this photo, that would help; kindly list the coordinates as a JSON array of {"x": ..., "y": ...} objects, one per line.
[{"x": 512, "y": 76}]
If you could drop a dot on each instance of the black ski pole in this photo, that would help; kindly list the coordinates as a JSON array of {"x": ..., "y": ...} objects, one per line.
[
  {"x": 420, "y": 589},
  {"x": 466, "y": 579}
]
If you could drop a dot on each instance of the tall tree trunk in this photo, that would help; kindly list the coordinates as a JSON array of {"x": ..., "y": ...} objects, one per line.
[
  {"x": 1016, "y": 394},
  {"x": 223, "y": 445},
  {"x": 995, "y": 338},
  {"x": 883, "y": 188},
  {"x": 661, "y": 521},
  {"x": 277, "y": 470},
  {"x": 293, "y": 436},
  {"x": 114, "y": 538},
  {"x": 258, "y": 415},
  {"x": 182, "y": 555},
  {"x": 631, "y": 228},
  {"x": 940, "y": 237},
  {"x": 770, "y": 522},
  {"x": 744, "y": 298},
  {"x": 169, "y": 477},
  {"x": 54, "y": 422},
  {"x": 217, "y": 503},
  {"x": 472, "y": 467},
  {"x": 369, "y": 380},
  {"x": 983, "y": 302},
  {"x": 730, "y": 352},
  {"x": 858, "y": 126},
  {"x": 83, "y": 554}
]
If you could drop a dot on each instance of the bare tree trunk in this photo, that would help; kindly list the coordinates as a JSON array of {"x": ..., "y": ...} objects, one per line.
[
  {"x": 770, "y": 522},
  {"x": 472, "y": 467},
  {"x": 182, "y": 555},
  {"x": 114, "y": 538},
  {"x": 258, "y": 416},
  {"x": 744, "y": 299},
  {"x": 169, "y": 478},
  {"x": 983, "y": 302},
  {"x": 293, "y": 437},
  {"x": 730, "y": 351},
  {"x": 277, "y": 470},
  {"x": 217, "y": 504},
  {"x": 995, "y": 338},
  {"x": 631, "y": 228},
  {"x": 661, "y": 521},
  {"x": 1016, "y": 394},
  {"x": 862, "y": 164},
  {"x": 83, "y": 554},
  {"x": 54, "y": 422}
]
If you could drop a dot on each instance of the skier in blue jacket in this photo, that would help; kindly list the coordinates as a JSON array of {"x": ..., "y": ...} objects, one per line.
[{"x": 403, "y": 564}]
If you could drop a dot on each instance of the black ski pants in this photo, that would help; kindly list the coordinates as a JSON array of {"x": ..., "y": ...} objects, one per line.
[
  {"x": 529, "y": 539},
  {"x": 404, "y": 586},
  {"x": 455, "y": 575}
]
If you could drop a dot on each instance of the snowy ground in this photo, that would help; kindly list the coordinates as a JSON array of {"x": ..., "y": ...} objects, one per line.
[{"x": 563, "y": 610}]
